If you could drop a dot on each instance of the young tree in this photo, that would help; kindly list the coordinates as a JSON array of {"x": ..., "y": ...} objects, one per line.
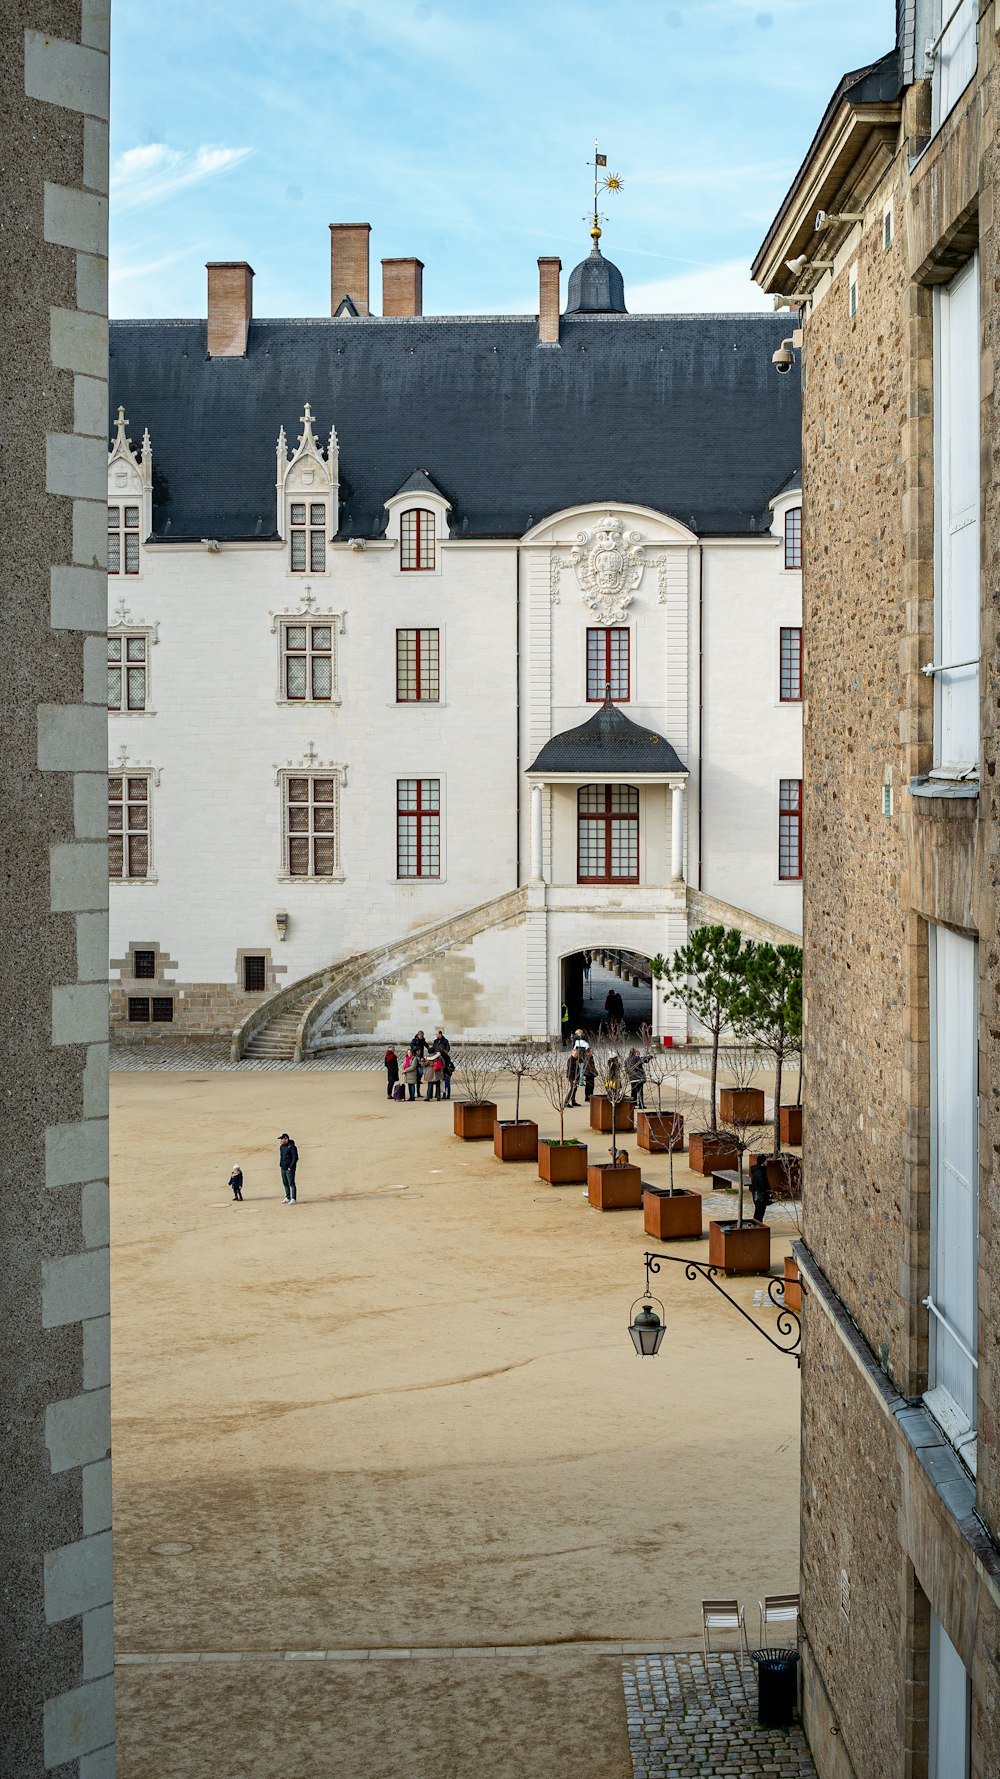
[
  {"x": 705, "y": 976},
  {"x": 518, "y": 1058},
  {"x": 612, "y": 1076},
  {"x": 770, "y": 1011},
  {"x": 742, "y": 1060},
  {"x": 476, "y": 1074},
  {"x": 548, "y": 1072}
]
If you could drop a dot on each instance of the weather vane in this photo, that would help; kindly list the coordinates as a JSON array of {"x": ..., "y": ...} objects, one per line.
[{"x": 608, "y": 182}]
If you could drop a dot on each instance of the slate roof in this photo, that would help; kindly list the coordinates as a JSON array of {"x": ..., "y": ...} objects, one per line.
[
  {"x": 682, "y": 413},
  {"x": 792, "y": 486},
  {"x": 608, "y": 742},
  {"x": 419, "y": 482},
  {"x": 596, "y": 287}
]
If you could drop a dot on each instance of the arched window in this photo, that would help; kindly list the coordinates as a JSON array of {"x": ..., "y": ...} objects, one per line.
[
  {"x": 793, "y": 537},
  {"x": 607, "y": 827},
  {"x": 416, "y": 538}
]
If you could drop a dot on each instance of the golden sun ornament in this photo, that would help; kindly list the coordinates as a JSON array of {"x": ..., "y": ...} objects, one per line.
[{"x": 613, "y": 182}]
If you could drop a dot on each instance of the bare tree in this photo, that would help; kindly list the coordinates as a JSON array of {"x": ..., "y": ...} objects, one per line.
[
  {"x": 548, "y": 1072},
  {"x": 518, "y": 1058},
  {"x": 741, "y": 1062},
  {"x": 612, "y": 1079},
  {"x": 476, "y": 1074}
]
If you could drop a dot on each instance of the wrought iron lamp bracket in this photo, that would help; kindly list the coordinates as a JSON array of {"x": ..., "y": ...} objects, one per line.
[{"x": 789, "y": 1324}]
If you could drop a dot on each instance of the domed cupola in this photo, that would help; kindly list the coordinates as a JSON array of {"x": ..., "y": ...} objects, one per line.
[{"x": 596, "y": 287}]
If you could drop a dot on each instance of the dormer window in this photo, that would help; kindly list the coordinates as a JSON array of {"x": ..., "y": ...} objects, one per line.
[
  {"x": 123, "y": 539},
  {"x": 308, "y": 537},
  {"x": 416, "y": 538}
]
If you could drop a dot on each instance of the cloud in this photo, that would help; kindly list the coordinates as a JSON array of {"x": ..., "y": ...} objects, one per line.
[
  {"x": 712, "y": 290},
  {"x": 137, "y": 288},
  {"x": 144, "y": 176}
]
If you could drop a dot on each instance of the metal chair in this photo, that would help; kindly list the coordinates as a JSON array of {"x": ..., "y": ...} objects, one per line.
[
  {"x": 723, "y": 1615},
  {"x": 777, "y": 1609}
]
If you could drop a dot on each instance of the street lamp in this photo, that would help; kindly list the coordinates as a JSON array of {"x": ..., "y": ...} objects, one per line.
[{"x": 647, "y": 1328}]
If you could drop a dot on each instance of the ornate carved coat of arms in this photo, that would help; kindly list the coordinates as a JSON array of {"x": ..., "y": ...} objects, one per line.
[{"x": 609, "y": 562}]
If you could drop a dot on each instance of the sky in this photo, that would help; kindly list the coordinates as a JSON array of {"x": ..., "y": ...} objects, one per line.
[{"x": 462, "y": 132}]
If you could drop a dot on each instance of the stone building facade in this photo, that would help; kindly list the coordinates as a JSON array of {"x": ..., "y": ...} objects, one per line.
[
  {"x": 887, "y": 245},
  {"x": 56, "y": 1648}
]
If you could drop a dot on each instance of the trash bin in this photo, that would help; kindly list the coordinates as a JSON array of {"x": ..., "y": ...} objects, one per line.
[{"x": 776, "y": 1688}]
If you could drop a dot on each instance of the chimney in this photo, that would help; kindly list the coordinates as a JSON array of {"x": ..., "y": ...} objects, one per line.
[
  {"x": 230, "y": 307},
  {"x": 349, "y": 265},
  {"x": 402, "y": 287},
  {"x": 548, "y": 301}
]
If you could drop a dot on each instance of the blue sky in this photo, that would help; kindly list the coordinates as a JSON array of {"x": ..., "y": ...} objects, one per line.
[{"x": 461, "y": 131}]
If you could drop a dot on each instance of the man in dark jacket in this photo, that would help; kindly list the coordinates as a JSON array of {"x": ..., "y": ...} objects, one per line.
[
  {"x": 288, "y": 1157},
  {"x": 442, "y": 1047},
  {"x": 760, "y": 1191}
]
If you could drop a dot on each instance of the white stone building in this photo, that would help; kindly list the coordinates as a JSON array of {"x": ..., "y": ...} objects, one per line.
[{"x": 353, "y": 660}]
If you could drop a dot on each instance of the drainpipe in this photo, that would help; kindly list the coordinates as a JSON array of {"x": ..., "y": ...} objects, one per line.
[
  {"x": 701, "y": 708},
  {"x": 517, "y": 717}
]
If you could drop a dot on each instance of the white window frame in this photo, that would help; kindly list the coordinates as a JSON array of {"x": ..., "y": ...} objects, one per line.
[
  {"x": 951, "y": 53},
  {"x": 955, "y": 668},
  {"x": 124, "y": 633},
  {"x": 309, "y": 529},
  {"x": 852, "y": 292},
  {"x": 123, "y": 533},
  {"x": 952, "y": 1366},
  {"x": 949, "y": 1708},
  {"x": 307, "y": 614},
  {"x": 311, "y": 768},
  {"x": 122, "y": 769}
]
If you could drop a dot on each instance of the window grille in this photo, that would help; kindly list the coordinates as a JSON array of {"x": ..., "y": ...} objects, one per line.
[
  {"x": 793, "y": 537},
  {"x": 608, "y": 665},
  {"x": 418, "y": 827},
  {"x": 128, "y": 826},
  {"x": 416, "y": 538},
  {"x": 791, "y": 665},
  {"x": 138, "y": 1010},
  {"x": 311, "y": 826},
  {"x": 123, "y": 539},
  {"x": 308, "y": 662},
  {"x": 163, "y": 1009},
  {"x": 254, "y": 974},
  {"x": 308, "y": 537},
  {"x": 127, "y": 657},
  {"x": 143, "y": 964},
  {"x": 607, "y": 834},
  {"x": 418, "y": 656},
  {"x": 790, "y": 830}
]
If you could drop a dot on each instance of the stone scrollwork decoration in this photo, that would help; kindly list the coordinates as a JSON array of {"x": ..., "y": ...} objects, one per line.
[{"x": 609, "y": 564}]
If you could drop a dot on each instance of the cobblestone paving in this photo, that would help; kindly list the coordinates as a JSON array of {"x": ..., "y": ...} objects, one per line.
[{"x": 692, "y": 1717}]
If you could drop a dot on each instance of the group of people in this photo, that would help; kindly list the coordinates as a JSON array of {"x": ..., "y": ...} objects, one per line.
[
  {"x": 581, "y": 1071},
  {"x": 423, "y": 1063},
  {"x": 288, "y": 1161}
]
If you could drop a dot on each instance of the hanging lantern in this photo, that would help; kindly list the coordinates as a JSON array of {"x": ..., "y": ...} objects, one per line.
[{"x": 647, "y": 1328}]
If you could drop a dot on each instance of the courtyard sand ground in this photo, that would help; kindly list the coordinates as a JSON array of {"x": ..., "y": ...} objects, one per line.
[{"x": 407, "y": 1414}]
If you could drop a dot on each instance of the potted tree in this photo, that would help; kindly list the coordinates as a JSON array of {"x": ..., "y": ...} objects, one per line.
[
  {"x": 743, "y": 1246},
  {"x": 672, "y": 1213},
  {"x": 661, "y": 1130},
  {"x": 562, "y": 1161},
  {"x": 516, "y": 1139},
  {"x": 475, "y": 1112},
  {"x": 705, "y": 977},
  {"x": 771, "y": 1014},
  {"x": 611, "y": 1114},
  {"x": 615, "y": 1185}
]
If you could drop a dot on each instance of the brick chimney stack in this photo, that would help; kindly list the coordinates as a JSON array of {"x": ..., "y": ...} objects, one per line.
[
  {"x": 549, "y": 269},
  {"x": 230, "y": 307},
  {"x": 402, "y": 287},
  {"x": 349, "y": 265}
]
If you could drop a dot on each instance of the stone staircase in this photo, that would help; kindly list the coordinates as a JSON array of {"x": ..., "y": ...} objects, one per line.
[{"x": 282, "y": 1028}]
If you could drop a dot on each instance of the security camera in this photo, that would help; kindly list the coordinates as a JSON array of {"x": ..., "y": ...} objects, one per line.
[
  {"x": 783, "y": 359},
  {"x": 821, "y": 221},
  {"x": 798, "y": 264}
]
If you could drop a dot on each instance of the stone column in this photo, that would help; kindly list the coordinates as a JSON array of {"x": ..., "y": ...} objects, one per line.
[
  {"x": 56, "y": 1653},
  {"x": 537, "y": 874},
  {"x": 677, "y": 833}
]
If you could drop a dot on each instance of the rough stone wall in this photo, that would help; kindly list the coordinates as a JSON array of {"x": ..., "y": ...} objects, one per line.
[
  {"x": 56, "y": 1649},
  {"x": 854, "y": 858}
]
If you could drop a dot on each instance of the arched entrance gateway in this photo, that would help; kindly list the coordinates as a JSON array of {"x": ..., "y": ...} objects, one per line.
[{"x": 590, "y": 980}]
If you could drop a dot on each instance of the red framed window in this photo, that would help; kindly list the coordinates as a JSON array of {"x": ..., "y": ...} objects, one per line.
[
  {"x": 793, "y": 537},
  {"x": 608, "y": 665},
  {"x": 416, "y": 538},
  {"x": 791, "y": 665},
  {"x": 418, "y": 666},
  {"x": 123, "y": 539},
  {"x": 790, "y": 830},
  {"x": 418, "y": 827},
  {"x": 308, "y": 537},
  {"x": 607, "y": 834},
  {"x": 311, "y": 823},
  {"x": 308, "y": 651},
  {"x": 128, "y": 826}
]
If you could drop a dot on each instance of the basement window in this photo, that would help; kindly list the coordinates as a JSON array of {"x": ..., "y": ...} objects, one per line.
[{"x": 254, "y": 974}]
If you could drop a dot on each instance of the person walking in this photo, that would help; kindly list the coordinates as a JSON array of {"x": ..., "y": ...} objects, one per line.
[
  {"x": 573, "y": 1077},
  {"x": 391, "y": 1072},
  {"x": 288, "y": 1158},
  {"x": 760, "y": 1191},
  {"x": 636, "y": 1075},
  {"x": 411, "y": 1075},
  {"x": 435, "y": 1071},
  {"x": 589, "y": 1074},
  {"x": 587, "y": 961},
  {"x": 236, "y": 1182}
]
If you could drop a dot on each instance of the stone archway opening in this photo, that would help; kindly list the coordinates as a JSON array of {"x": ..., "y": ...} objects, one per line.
[{"x": 590, "y": 980}]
